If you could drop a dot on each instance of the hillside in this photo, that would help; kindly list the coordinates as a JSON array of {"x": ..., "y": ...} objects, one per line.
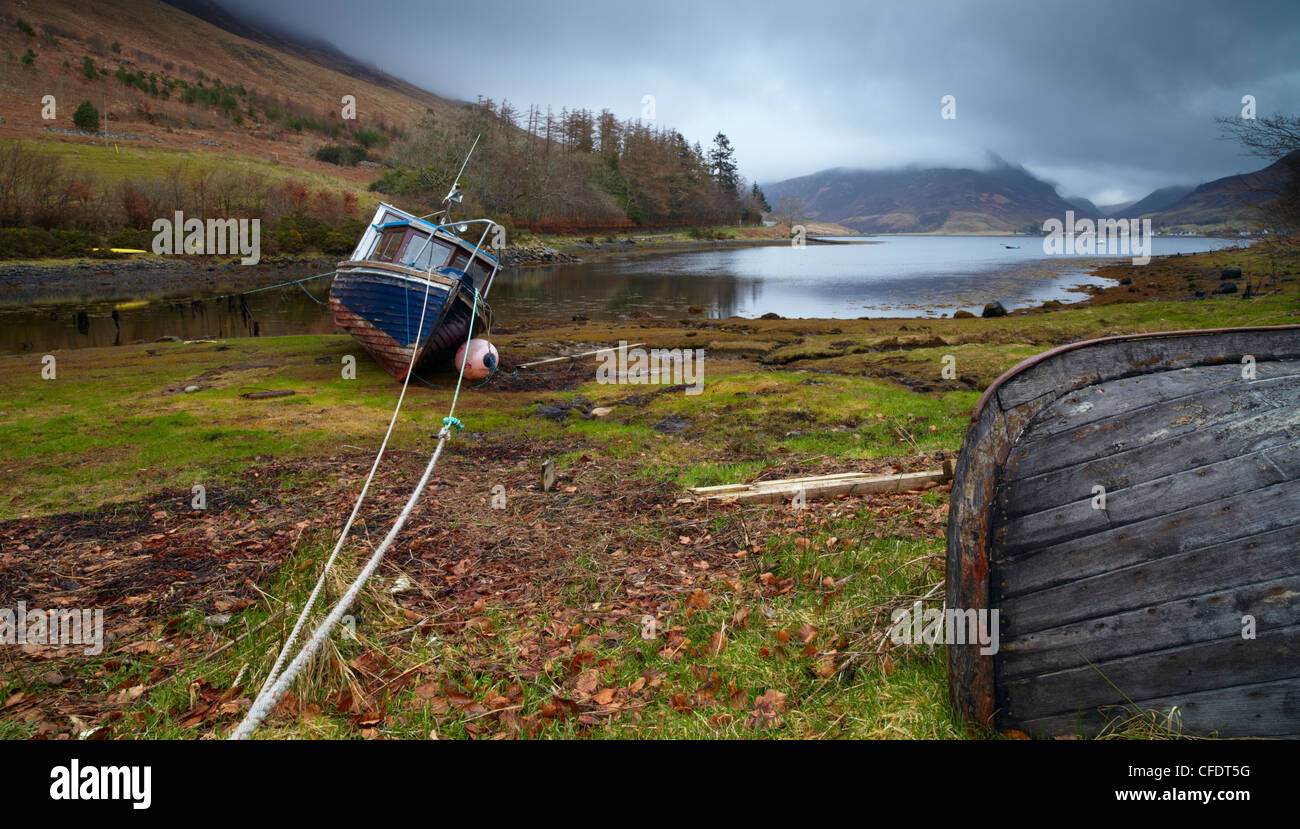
[
  {"x": 1232, "y": 201},
  {"x": 215, "y": 114},
  {"x": 1155, "y": 201},
  {"x": 319, "y": 53},
  {"x": 1009, "y": 199},
  {"x": 1004, "y": 199},
  {"x": 1085, "y": 207},
  {"x": 1117, "y": 208},
  {"x": 168, "y": 79}
]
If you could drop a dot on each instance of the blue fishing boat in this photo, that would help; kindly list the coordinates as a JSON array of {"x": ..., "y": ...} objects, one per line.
[{"x": 413, "y": 287}]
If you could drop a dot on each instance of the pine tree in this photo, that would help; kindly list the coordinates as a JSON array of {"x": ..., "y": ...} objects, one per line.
[{"x": 722, "y": 164}]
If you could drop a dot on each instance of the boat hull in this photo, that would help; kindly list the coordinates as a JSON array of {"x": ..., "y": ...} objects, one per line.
[
  {"x": 1131, "y": 508},
  {"x": 380, "y": 307}
]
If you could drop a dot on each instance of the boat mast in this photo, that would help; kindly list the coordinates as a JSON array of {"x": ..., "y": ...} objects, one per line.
[{"x": 453, "y": 195}]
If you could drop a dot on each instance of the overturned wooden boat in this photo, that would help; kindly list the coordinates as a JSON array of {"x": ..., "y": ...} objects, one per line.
[
  {"x": 409, "y": 290},
  {"x": 1131, "y": 508}
]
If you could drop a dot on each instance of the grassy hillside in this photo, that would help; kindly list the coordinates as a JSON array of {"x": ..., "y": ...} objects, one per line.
[
  {"x": 1232, "y": 202},
  {"x": 284, "y": 105},
  {"x": 142, "y": 76},
  {"x": 1155, "y": 201},
  {"x": 190, "y": 117},
  {"x": 118, "y": 162}
]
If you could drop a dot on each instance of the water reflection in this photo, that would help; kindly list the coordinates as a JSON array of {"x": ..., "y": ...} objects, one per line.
[
  {"x": 269, "y": 313},
  {"x": 907, "y": 276},
  {"x": 901, "y": 276}
]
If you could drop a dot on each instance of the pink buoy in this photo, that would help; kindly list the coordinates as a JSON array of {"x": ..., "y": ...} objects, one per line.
[{"x": 481, "y": 361}]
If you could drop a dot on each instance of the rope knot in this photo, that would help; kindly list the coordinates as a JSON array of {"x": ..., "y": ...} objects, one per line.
[{"x": 450, "y": 422}]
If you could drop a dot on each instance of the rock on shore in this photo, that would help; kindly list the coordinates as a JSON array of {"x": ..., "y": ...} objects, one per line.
[{"x": 523, "y": 255}]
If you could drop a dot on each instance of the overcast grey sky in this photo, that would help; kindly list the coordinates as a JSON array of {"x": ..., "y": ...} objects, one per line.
[{"x": 1108, "y": 100}]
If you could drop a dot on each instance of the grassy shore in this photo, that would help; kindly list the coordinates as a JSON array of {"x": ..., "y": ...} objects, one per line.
[{"x": 603, "y": 608}]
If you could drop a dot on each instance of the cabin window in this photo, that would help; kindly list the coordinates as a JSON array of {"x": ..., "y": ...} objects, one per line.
[
  {"x": 421, "y": 254},
  {"x": 460, "y": 260},
  {"x": 389, "y": 244},
  {"x": 479, "y": 272},
  {"x": 427, "y": 257},
  {"x": 445, "y": 252},
  {"x": 416, "y": 252}
]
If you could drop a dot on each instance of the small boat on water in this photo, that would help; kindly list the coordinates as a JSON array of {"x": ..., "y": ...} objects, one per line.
[
  {"x": 1130, "y": 507},
  {"x": 1011, "y": 247},
  {"x": 412, "y": 286}
]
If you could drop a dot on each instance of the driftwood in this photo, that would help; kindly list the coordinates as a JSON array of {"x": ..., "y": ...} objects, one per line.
[
  {"x": 263, "y": 395},
  {"x": 575, "y": 356},
  {"x": 822, "y": 486}
]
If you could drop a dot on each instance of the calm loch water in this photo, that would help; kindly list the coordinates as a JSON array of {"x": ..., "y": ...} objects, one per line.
[{"x": 895, "y": 276}]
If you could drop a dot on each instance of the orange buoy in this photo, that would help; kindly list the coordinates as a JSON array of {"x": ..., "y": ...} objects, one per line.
[{"x": 482, "y": 358}]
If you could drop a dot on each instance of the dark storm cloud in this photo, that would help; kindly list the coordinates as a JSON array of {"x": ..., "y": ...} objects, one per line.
[{"x": 1107, "y": 99}]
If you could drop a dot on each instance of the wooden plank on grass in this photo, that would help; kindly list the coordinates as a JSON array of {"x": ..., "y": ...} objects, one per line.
[
  {"x": 575, "y": 356},
  {"x": 821, "y": 486}
]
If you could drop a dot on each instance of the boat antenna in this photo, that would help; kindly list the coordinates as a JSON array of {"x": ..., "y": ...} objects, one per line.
[{"x": 453, "y": 195}]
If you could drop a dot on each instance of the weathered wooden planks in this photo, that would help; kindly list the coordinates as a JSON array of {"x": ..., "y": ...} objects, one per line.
[
  {"x": 970, "y": 674},
  {"x": 1190, "y": 669},
  {"x": 1237, "y": 516},
  {"x": 1201, "y": 467},
  {"x": 1102, "y": 438},
  {"x": 1232, "y": 563},
  {"x": 1127, "y": 396},
  {"x": 1185, "y": 489},
  {"x": 1265, "y": 709},
  {"x": 1154, "y": 456},
  {"x": 1076, "y": 367},
  {"x": 1201, "y": 618}
]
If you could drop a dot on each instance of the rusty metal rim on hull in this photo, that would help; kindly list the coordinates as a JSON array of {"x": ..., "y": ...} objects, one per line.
[{"x": 1153, "y": 335}]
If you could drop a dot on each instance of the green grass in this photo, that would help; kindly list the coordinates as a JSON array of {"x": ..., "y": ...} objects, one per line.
[
  {"x": 114, "y": 163},
  {"x": 116, "y": 424}
]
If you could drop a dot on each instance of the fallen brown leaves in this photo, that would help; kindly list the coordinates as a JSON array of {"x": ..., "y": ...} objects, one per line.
[
  {"x": 505, "y": 591},
  {"x": 768, "y": 709}
]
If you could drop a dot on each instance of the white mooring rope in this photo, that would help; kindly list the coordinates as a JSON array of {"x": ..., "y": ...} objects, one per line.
[
  {"x": 267, "y": 699},
  {"x": 276, "y": 681},
  {"x": 356, "y": 508}
]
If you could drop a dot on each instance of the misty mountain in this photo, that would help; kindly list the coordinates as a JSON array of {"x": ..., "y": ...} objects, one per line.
[
  {"x": 1155, "y": 201},
  {"x": 1008, "y": 199},
  {"x": 1003, "y": 199},
  {"x": 1117, "y": 208},
  {"x": 1084, "y": 207},
  {"x": 1231, "y": 200}
]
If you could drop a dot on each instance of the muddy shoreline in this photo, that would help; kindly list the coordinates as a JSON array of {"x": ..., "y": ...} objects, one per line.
[{"x": 137, "y": 278}]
